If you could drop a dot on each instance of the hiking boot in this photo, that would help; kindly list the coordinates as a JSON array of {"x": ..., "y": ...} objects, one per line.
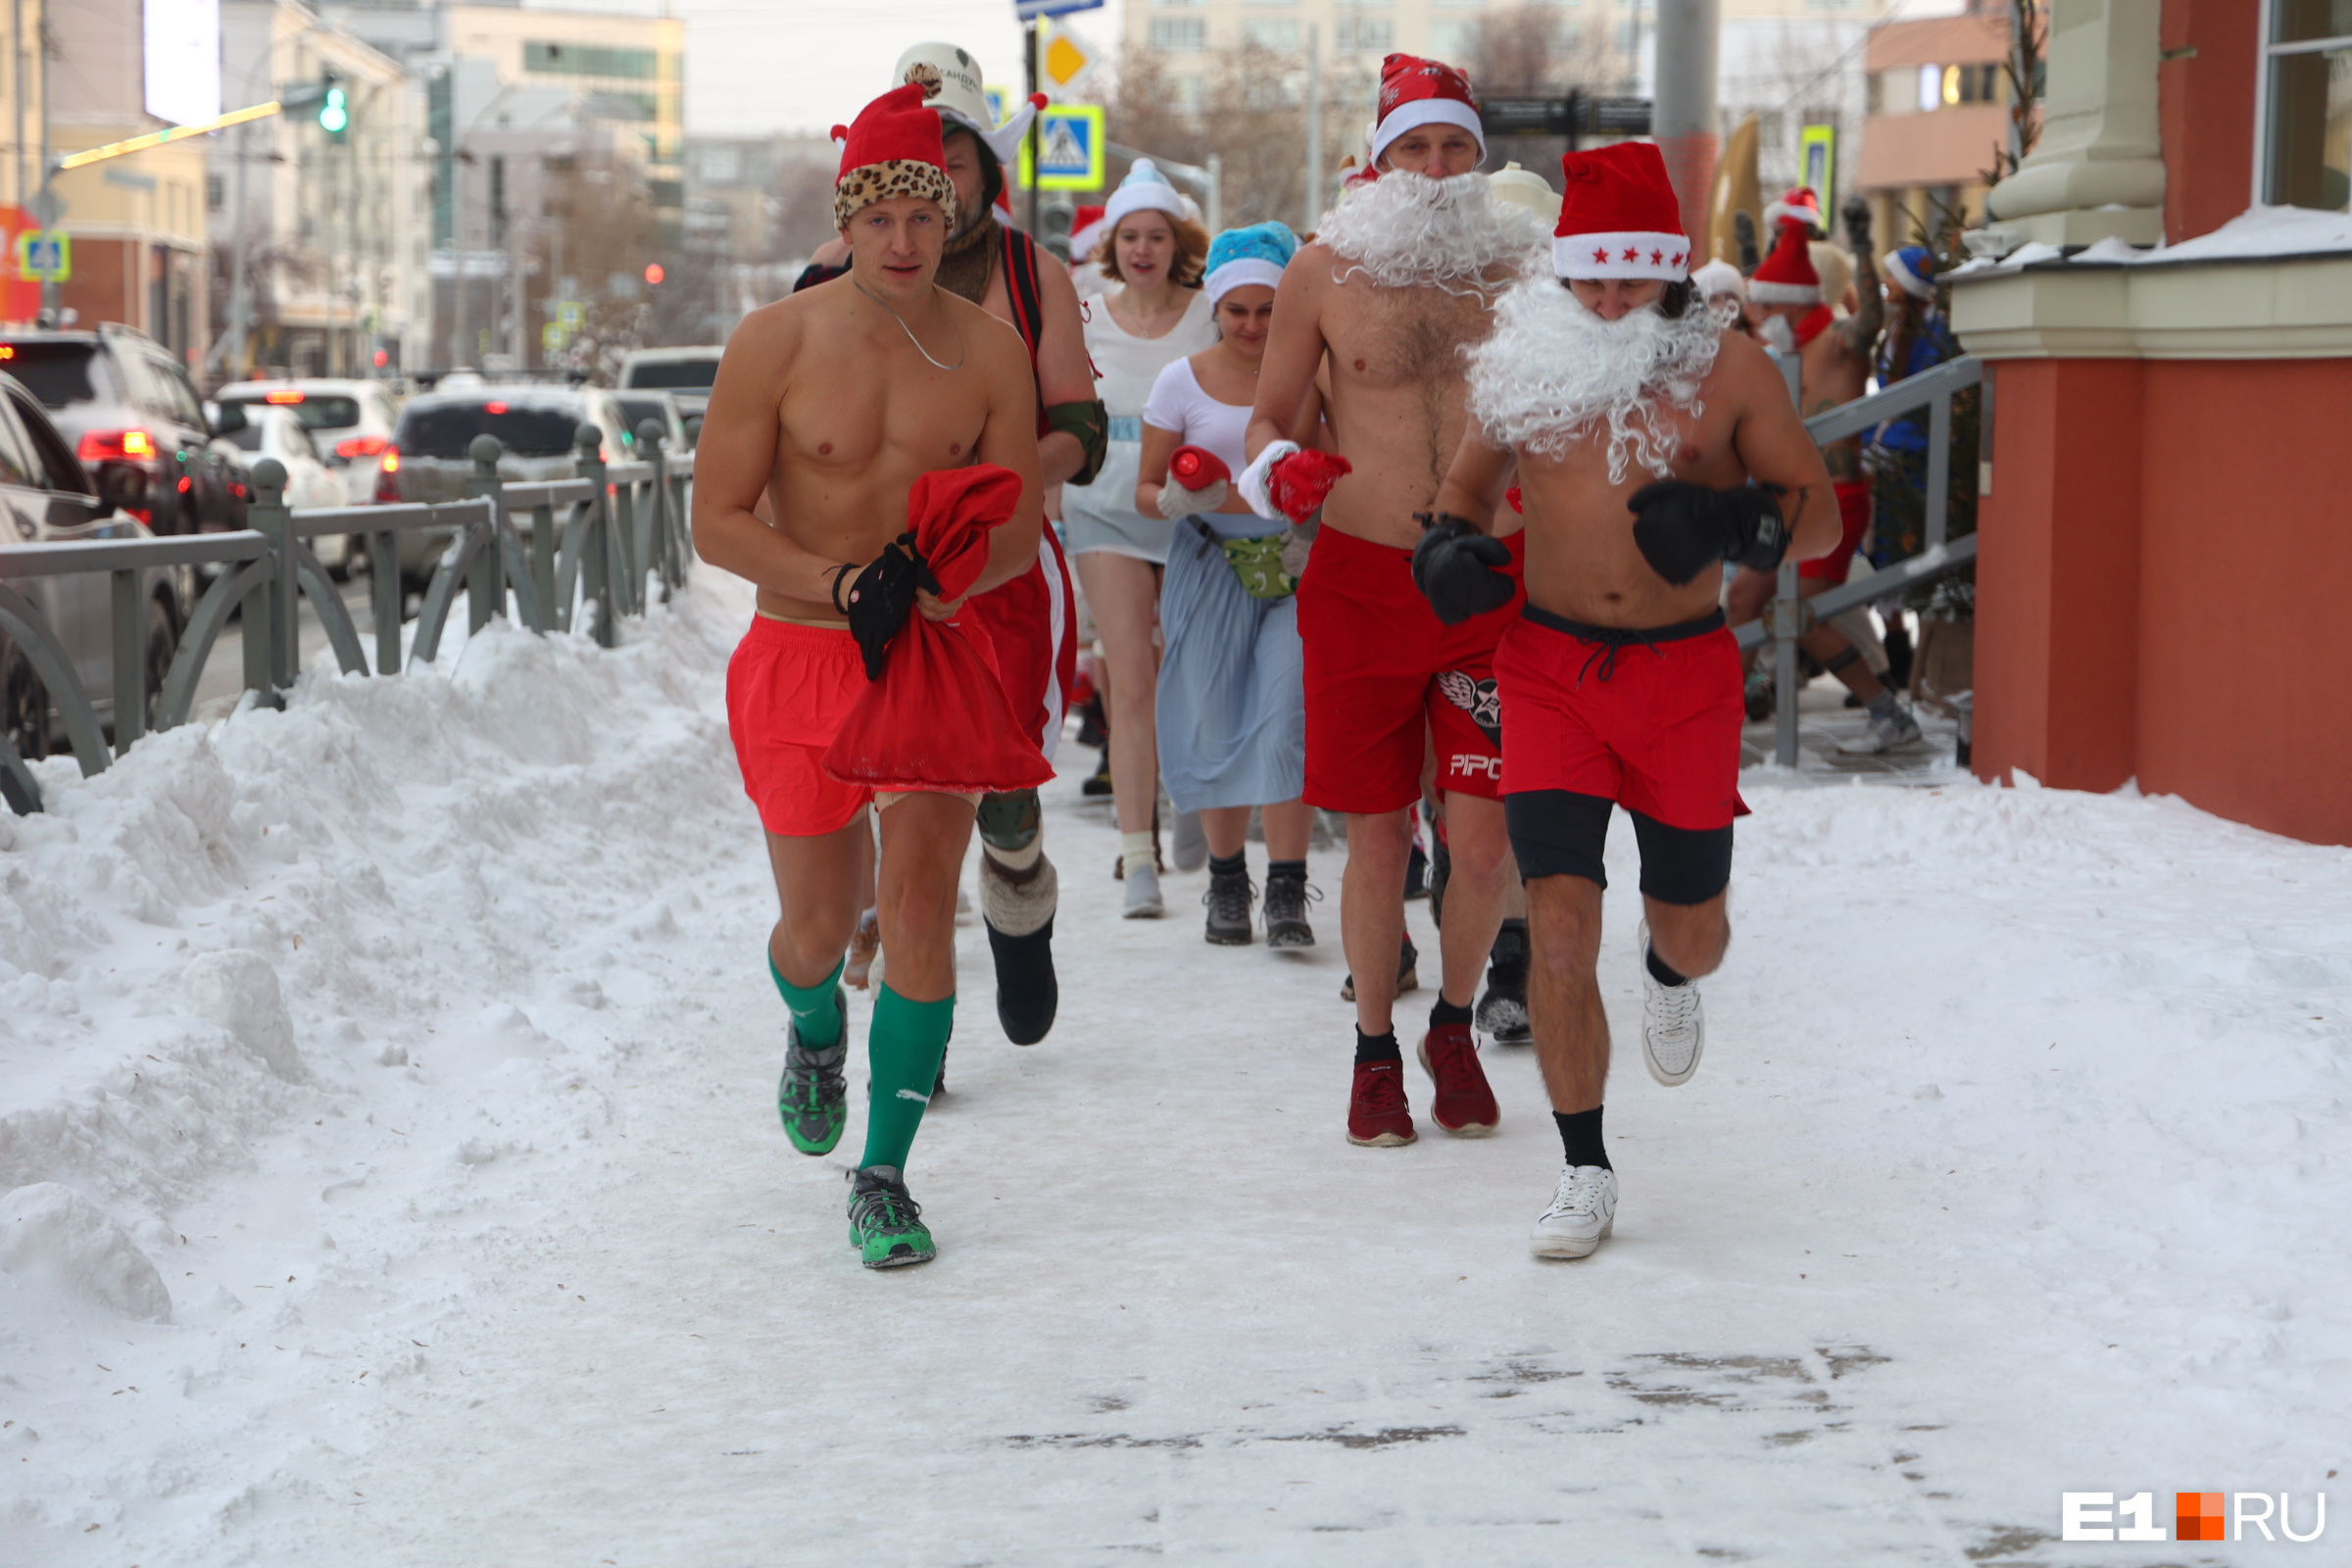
[
  {"x": 1028, "y": 993},
  {"x": 1674, "y": 1026},
  {"x": 1228, "y": 900},
  {"x": 1759, "y": 696},
  {"x": 1377, "y": 1116},
  {"x": 1286, "y": 894},
  {"x": 886, "y": 1225},
  {"x": 1464, "y": 1105},
  {"x": 1409, "y": 978},
  {"x": 812, "y": 1097},
  {"x": 1096, "y": 786},
  {"x": 1583, "y": 1213},
  {"x": 1884, "y": 733},
  {"x": 1502, "y": 1010}
]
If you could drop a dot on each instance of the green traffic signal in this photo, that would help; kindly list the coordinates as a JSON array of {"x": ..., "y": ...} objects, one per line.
[{"x": 333, "y": 117}]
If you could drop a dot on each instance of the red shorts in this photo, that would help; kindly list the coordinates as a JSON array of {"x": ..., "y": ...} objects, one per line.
[
  {"x": 1853, "y": 511},
  {"x": 1033, "y": 624},
  {"x": 1653, "y": 726},
  {"x": 1384, "y": 675}
]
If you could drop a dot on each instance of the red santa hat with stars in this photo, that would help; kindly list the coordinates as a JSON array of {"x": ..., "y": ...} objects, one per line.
[
  {"x": 1416, "y": 92},
  {"x": 1618, "y": 216}
]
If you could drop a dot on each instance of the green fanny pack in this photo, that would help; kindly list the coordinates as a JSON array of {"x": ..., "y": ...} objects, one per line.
[{"x": 1257, "y": 563}]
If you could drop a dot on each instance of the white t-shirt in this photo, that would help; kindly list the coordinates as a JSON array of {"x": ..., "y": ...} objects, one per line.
[
  {"x": 1125, "y": 365},
  {"x": 1177, "y": 404}
]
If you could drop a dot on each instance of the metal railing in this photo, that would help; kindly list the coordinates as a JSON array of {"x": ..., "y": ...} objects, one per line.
[
  {"x": 553, "y": 550},
  {"x": 1788, "y": 618}
]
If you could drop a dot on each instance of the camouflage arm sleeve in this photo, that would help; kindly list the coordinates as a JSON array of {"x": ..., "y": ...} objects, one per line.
[{"x": 1091, "y": 425}]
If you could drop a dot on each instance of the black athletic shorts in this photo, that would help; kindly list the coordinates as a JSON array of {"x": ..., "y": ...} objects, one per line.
[{"x": 1560, "y": 833}]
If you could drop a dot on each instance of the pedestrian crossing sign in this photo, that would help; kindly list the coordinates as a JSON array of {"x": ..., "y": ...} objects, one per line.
[
  {"x": 1070, "y": 148},
  {"x": 45, "y": 254}
]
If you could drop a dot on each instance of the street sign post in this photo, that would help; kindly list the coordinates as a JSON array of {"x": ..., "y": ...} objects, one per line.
[
  {"x": 46, "y": 253},
  {"x": 1071, "y": 147},
  {"x": 1031, "y": 10}
]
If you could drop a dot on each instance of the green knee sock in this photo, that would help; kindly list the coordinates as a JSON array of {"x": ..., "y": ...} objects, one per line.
[
  {"x": 903, "y": 1050},
  {"x": 815, "y": 1009}
]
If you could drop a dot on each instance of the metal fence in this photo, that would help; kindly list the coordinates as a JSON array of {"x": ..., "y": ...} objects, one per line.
[
  {"x": 546, "y": 553},
  {"x": 1789, "y": 617}
]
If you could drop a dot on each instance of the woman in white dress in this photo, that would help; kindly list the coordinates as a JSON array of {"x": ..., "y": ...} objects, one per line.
[{"x": 1158, "y": 314}]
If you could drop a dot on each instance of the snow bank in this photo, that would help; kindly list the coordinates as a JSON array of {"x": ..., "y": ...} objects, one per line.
[{"x": 53, "y": 1235}]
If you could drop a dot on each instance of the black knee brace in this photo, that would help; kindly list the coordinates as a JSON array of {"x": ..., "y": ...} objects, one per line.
[{"x": 1010, "y": 821}]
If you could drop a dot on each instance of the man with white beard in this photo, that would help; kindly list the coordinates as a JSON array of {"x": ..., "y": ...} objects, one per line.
[
  {"x": 1400, "y": 279},
  {"x": 1636, "y": 422}
]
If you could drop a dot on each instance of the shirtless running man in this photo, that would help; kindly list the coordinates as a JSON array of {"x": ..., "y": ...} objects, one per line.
[
  {"x": 1401, "y": 278},
  {"x": 829, "y": 404},
  {"x": 1635, "y": 424}
]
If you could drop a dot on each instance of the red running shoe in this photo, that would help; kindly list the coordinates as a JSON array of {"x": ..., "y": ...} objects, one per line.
[
  {"x": 1463, "y": 1105},
  {"x": 1377, "y": 1116}
]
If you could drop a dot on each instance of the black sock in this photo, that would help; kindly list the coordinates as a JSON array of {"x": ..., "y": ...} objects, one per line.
[
  {"x": 1658, "y": 971},
  {"x": 1377, "y": 1048},
  {"x": 1233, "y": 864},
  {"x": 1275, "y": 868},
  {"x": 1580, "y": 1135},
  {"x": 1445, "y": 1012}
]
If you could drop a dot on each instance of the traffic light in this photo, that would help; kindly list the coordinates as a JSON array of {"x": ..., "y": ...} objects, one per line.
[
  {"x": 334, "y": 116},
  {"x": 654, "y": 273}
]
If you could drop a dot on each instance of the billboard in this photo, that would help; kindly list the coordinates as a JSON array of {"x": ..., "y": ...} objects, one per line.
[{"x": 182, "y": 47}]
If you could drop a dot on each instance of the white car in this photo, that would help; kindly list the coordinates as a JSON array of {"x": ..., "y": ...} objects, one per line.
[
  {"x": 685, "y": 372},
  {"x": 252, "y": 431},
  {"x": 349, "y": 419}
]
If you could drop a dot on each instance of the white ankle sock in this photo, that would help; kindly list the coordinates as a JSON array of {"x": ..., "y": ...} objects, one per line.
[{"x": 1136, "y": 853}]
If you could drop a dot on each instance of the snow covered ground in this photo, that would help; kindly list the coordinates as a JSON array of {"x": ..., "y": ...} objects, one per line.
[{"x": 2018, "y": 1165}]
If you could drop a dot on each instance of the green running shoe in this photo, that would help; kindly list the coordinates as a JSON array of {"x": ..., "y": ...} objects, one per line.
[
  {"x": 812, "y": 1097},
  {"x": 885, "y": 1224}
]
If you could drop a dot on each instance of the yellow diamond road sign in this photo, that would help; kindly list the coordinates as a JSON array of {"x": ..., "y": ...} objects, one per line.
[{"x": 1065, "y": 59}]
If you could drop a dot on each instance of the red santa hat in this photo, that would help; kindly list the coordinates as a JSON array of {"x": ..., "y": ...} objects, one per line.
[
  {"x": 1619, "y": 217},
  {"x": 1786, "y": 276},
  {"x": 1801, "y": 206},
  {"x": 892, "y": 149},
  {"x": 1087, "y": 230},
  {"x": 1416, "y": 92}
]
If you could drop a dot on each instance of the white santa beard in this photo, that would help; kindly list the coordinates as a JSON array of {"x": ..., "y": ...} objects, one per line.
[
  {"x": 1553, "y": 373},
  {"x": 1405, "y": 231}
]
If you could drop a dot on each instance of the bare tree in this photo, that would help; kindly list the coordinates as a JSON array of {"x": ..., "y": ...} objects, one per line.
[
  {"x": 801, "y": 198},
  {"x": 1536, "y": 49}
]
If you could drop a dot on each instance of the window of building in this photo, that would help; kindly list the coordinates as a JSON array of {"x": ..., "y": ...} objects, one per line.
[
  {"x": 1450, "y": 40},
  {"x": 2307, "y": 91},
  {"x": 1179, "y": 34},
  {"x": 1265, "y": 33},
  {"x": 1364, "y": 36},
  {"x": 590, "y": 59}
]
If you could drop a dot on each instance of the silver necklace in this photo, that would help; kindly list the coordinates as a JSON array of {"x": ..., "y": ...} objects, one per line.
[{"x": 910, "y": 331}]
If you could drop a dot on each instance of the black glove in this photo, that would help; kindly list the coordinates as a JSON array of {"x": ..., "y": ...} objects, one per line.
[
  {"x": 1455, "y": 567},
  {"x": 1684, "y": 528},
  {"x": 1857, "y": 213},
  {"x": 881, "y": 597}
]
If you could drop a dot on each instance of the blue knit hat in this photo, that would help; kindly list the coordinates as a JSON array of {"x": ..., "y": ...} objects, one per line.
[
  {"x": 1253, "y": 255},
  {"x": 1913, "y": 270}
]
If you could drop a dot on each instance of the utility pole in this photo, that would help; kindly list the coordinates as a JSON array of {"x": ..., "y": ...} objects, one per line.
[
  {"x": 1029, "y": 33},
  {"x": 1683, "y": 116},
  {"x": 1314, "y": 128},
  {"x": 16, "y": 42}
]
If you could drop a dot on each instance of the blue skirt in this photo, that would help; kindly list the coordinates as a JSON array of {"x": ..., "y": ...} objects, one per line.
[{"x": 1232, "y": 692}]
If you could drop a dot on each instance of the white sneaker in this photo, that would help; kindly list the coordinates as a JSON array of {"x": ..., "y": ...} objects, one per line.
[
  {"x": 1674, "y": 1025},
  {"x": 1583, "y": 1213},
  {"x": 1882, "y": 734},
  {"x": 1190, "y": 850},
  {"x": 1142, "y": 893}
]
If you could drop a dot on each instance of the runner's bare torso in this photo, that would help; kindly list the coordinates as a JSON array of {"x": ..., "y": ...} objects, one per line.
[{"x": 1393, "y": 361}]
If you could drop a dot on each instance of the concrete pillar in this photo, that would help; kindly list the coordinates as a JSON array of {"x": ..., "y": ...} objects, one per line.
[
  {"x": 1682, "y": 115},
  {"x": 2099, "y": 150}
]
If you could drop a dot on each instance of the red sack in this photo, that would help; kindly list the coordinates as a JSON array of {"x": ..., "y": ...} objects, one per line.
[
  {"x": 1298, "y": 482},
  {"x": 938, "y": 718},
  {"x": 1197, "y": 468}
]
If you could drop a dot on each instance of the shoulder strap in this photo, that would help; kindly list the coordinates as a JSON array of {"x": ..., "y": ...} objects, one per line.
[{"x": 1022, "y": 289}]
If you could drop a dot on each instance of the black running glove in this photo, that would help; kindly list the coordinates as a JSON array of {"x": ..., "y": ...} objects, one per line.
[
  {"x": 881, "y": 597},
  {"x": 1456, "y": 567},
  {"x": 1684, "y": 528}
]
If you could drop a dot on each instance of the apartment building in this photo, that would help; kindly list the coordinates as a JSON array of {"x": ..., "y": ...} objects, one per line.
[{"x": 1939, "y": 116}]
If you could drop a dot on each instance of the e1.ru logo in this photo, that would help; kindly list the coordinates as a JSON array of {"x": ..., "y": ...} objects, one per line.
[{"x": 2196, "y": 1516}]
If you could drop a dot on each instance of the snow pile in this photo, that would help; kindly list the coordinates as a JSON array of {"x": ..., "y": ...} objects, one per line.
[
  {"x": 2261, "y": 232},
  {"x": 392, "y": 1177}
]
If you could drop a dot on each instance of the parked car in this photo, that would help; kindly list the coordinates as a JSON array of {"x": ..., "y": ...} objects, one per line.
[
  {"x": 252, "y": 431},
  {"x": 429, "y": 457},
  {"x": 688, "y": 372},
  {"x": 47, "y": 497},
  {"x": 349, "y": 420},
  {"x": 663, "y": 408},
  {"x": 132, "y": 419}
]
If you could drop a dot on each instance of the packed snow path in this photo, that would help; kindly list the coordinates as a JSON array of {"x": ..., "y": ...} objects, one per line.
[{"x": 2016, "y": 1165}]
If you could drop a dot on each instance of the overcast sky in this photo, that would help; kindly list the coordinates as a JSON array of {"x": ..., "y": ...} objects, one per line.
[{"x": 756, "y": 66}]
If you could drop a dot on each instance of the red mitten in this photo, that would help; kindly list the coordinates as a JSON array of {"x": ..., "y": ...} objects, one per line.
[
  {"x": 1298, "y": 482},
  {"x": 1196, "y": 469}
]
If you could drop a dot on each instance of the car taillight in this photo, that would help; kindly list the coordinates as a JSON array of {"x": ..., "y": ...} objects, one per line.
[
  {"x": 387, "y": 474},
  {"x": 360, "y": 446},
  {"x": 99, "y": 446}
]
